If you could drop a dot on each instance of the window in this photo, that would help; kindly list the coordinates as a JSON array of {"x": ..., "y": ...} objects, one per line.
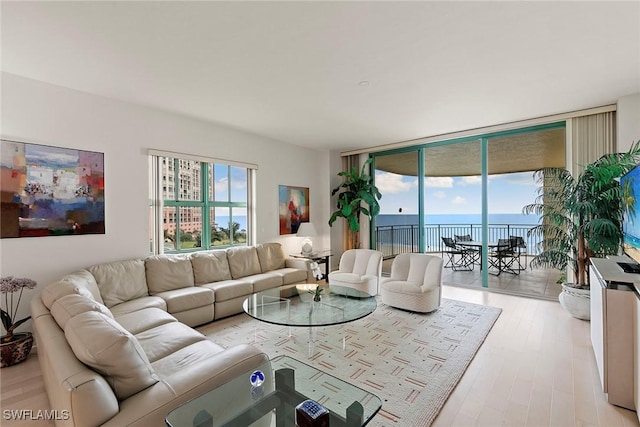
[{"x": 198, "y": 203}]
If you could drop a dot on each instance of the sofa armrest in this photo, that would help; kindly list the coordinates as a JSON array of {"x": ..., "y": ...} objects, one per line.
[
  {"x": 150, "y": 406},
  {"x": 71, "y": 386},
  {"x": 301, "y": 264}
]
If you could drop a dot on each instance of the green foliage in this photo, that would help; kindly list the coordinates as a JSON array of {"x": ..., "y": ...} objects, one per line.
[
  {"x": 356, "y": 195},
  {"x": 582, "y": 217},
  {"x": 222, "y": 236}
]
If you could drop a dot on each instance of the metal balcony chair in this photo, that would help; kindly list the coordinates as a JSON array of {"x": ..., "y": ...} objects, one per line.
[
  {"x": 473, "y": 252},
  {"x": 521, "y": 248},
  {"x": 503, "y": 257},
  {"x": 464, "y": 261}
]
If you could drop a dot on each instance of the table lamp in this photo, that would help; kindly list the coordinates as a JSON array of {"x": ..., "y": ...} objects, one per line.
[{"x": 306, "y": 230}]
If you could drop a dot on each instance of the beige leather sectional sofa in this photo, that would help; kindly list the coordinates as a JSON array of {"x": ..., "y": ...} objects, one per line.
[{"x": 115, "y": 341}]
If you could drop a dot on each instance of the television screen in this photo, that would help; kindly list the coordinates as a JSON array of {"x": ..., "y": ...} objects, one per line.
[{"x": 631, "y": 222}]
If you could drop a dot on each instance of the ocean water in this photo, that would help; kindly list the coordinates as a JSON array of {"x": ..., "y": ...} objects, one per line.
[{"x": 467, "y": 219}]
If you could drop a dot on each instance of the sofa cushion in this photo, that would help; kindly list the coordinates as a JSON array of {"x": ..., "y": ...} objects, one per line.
[
  {"x": 271, "y": 256},
  {"x": 144, "y": 319},
  {"x": 291, "y": 275},
  {"x": 56, "y": 290},
  {"x": 85, "y": 279},
  {"x": 138, "y": 304},
  {"x": 168, "y": 272},
  {"x": 210, "y": 266},
  {"x": 263, "y": 281},
  {"x": 186, "y": 357},
  {"x": 71, "y": 305},
  {"x": 243, "y": 261},
  {"x": 101, "y": 343},
  {"x": 230, "y": 289},
  {"x": 166, "y": 339},
  {"x": 120, "y": 281},
  {"x": 187, "y": 298}
]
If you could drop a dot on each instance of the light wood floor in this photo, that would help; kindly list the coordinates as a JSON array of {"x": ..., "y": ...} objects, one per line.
[{"x": 536, "y": 368}]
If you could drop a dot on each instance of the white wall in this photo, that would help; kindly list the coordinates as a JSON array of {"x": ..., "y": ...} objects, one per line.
[
  {"x": 628, "y": 121},
  {"x": 40, "y": 113}
]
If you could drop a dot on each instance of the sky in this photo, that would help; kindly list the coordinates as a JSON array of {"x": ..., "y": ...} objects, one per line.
[{"x": 508, "y": 193}]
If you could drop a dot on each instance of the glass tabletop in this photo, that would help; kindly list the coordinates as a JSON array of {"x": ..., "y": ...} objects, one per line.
[
  {"x": 315, "y": 255},
  {"x": 293, "y": 305},
  {"x": 267, "y": 396}
]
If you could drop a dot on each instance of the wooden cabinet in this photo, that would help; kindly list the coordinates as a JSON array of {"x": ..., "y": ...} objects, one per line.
[{"x": 613, "y": 332}]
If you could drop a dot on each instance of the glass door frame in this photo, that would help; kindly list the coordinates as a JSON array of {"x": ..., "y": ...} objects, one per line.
[{"x": 483, "y": 139}]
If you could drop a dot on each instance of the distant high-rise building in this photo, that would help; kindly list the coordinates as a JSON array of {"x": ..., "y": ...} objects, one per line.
[{"x": 188, "y": 181}]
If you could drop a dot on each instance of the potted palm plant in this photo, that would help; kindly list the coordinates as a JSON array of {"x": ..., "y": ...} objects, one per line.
[
  {"x": 357, "y": 195},
  {"x": 581, "y": 217}
]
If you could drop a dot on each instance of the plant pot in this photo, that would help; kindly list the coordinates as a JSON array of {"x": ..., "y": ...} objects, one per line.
[
  {"x": 16, "y": 351},
  {"x": 576, "y": 301}
]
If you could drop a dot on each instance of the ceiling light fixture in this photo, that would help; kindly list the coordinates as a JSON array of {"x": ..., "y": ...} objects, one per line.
[{"x": 364, "y": 83}]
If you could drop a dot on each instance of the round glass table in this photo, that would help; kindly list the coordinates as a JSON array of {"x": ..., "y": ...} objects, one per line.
[{"x": 293, "y": 305}]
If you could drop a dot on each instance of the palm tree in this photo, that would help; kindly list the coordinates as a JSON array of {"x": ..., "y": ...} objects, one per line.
[
  {"x": 581, "y": 217},
  {"x": 217, "y": 234},
  {"x": 232, "y": 231}
]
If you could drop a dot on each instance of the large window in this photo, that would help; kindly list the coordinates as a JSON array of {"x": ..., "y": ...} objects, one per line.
[{"x": 198, "y": 203}]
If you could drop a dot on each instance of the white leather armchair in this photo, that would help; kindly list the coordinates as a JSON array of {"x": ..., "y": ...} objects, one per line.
[
  {"x": 359, "y": 269},
  {"x": 415, "y": 283}
]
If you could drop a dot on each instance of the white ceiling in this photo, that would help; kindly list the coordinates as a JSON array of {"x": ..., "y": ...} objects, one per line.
[{"x": 291, "y": 71}]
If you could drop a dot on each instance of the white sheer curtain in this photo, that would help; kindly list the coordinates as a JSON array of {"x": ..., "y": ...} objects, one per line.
[{"x": 591, "y": 137}]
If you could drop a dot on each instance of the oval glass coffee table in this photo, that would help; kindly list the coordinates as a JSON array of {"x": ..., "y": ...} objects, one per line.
[{"x": 293, "y": 305}]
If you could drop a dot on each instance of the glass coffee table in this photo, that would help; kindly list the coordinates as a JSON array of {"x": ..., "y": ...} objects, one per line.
[
  {"x": 269, "y": 395},
  {"x": 293, "y": 305}
]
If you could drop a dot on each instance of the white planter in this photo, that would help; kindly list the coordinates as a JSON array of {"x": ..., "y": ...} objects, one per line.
[{"x": 576, "y": 301}]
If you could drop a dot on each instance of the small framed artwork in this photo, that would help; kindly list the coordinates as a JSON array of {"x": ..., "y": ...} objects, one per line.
[
  {"x": 50, "y": 191},
  {"x": 293, "y": 208}
]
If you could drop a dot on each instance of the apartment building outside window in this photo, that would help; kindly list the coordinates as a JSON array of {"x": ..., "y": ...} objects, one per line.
[{"x": 198, "y": 203}]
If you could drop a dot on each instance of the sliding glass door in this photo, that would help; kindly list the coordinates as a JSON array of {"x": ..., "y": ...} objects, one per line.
[
  {"x": 470, "y": 188},
  {"x": 397, "y": 228}
]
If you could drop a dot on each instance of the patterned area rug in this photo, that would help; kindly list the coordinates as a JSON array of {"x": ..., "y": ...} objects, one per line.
[{"x": 411, "y": 361}]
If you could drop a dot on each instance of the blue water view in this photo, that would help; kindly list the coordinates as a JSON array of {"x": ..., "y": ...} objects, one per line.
[{"x": 476, "y": 219}]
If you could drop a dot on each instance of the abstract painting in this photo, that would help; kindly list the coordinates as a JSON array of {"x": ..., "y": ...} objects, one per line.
[
  {"x": 293, "y": 208},
  {"x": 50, "y": 191}
]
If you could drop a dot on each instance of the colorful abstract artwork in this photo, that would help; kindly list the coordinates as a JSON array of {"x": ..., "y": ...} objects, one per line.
[
  {"x": 50, "y": 191},
  {"x": 293, "y": 208}
]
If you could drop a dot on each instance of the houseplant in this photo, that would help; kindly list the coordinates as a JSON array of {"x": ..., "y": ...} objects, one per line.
[
  {"x": 317, "y": 292},
  {"x": 581, "y": 217},
  {"x": 357, "y": 195},
  {"x": 14, "y": 347}
]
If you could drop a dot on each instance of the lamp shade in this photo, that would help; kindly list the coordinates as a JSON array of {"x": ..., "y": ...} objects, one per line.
[{"x": 306, "y": 229}]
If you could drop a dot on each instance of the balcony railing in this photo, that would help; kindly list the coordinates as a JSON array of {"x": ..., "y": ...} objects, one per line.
[{"x": 392, "y": 240}]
